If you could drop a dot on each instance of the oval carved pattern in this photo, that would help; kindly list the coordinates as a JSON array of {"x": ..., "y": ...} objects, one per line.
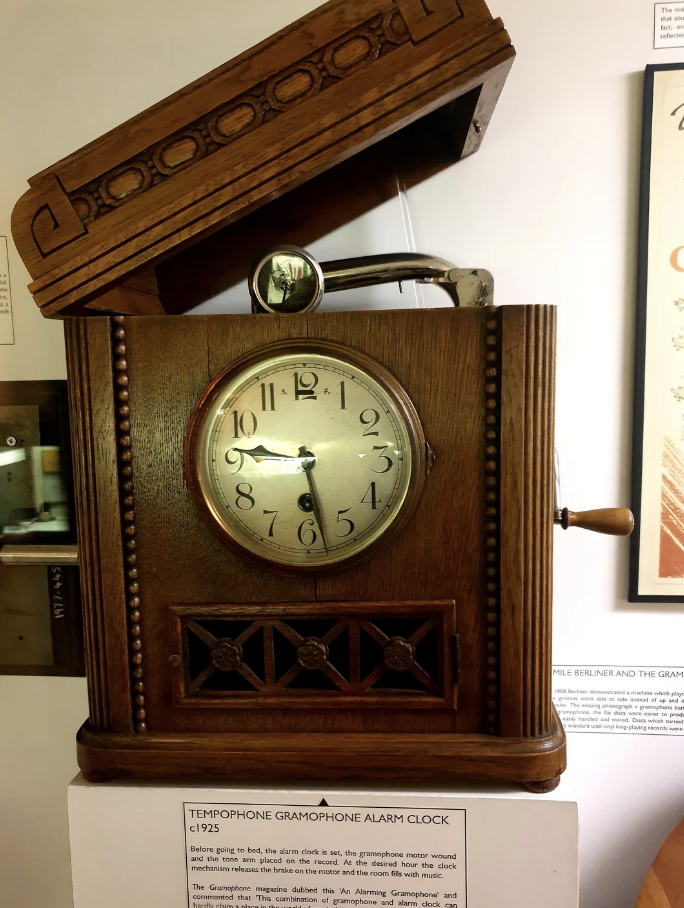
[
  {"x": 125, "y": 183},
  {"x": 118, "y": 186},
  {"x": 323, "y": 69},
  {"x": 84, "y": 206},
  {"x": 184, "y": 149},
  {"x": 179, "y": 152},
  {"x": 345, "y": 55},
  {"x": 394, "y": 27},
  {"x": 293, "y": 86},
  {"x": 230, "y": 122}
]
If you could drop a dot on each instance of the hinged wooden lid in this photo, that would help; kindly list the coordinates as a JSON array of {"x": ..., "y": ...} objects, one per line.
[{"x": 343, "y": 78}]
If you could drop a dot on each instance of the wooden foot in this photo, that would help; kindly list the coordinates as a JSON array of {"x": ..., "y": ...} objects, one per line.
[
  {"x": 104, "y": 775},
  {"x": 543, "y": 785}
]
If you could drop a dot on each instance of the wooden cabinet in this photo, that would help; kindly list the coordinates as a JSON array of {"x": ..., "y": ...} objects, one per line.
[{"x": 198, "y": 657}]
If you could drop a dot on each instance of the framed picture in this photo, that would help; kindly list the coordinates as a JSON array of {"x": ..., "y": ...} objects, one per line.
[{"x": 657, "y": 544}]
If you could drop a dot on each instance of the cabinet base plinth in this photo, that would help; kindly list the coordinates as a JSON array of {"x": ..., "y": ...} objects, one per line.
[{"x": 536, "y": 763}]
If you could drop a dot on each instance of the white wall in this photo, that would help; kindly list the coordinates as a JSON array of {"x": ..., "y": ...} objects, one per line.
[{"x": 549, "y": 205}]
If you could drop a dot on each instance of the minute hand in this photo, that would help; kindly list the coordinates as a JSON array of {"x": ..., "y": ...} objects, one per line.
[{"x": 310, "y": 463}]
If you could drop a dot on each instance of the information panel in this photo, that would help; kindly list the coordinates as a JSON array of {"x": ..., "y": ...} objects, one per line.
[
  {"x": 669, "y": 25},
  {"x": 260, "y": 855},
  {"x": 620, "y": 699}
]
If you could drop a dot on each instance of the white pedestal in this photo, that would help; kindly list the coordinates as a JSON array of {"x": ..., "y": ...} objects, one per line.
[{"x": 283, "y": 848}]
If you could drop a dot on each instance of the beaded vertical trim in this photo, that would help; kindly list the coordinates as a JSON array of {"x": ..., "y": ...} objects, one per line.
[
  {"x": 127, "y": 510},
  {"x": 492, "y": 377}
]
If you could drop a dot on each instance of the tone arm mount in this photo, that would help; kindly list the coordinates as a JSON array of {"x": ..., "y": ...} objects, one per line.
[{"x": 287, "y": 279}]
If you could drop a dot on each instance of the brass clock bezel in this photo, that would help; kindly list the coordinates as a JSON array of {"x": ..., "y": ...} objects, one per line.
[{"x": 304, "y": 346}]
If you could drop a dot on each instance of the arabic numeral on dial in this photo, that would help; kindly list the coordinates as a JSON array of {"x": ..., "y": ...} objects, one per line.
[
  {"x": 369, "y": 418},
  {"x": 306, "y": 527},
  {"x": 304, "y": 385},
  {"x": 345, "y": 520},
  {"x": 245, "y": 424},
  {"x": 238, "y": 459},
  {"x": 383, "y": 456},
  {"x": 245, "y": 495},
  {"x": 275, "y": 514},
  {"x": 267, "y": 397},
  {"x": 373, "y": 500}
]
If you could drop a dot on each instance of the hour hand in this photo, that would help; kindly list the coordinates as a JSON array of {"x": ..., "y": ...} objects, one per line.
[{"x": 261, "y": 453}]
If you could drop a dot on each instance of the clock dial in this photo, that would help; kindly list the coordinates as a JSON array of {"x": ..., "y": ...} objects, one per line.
[{"x": 305, "y": 455}]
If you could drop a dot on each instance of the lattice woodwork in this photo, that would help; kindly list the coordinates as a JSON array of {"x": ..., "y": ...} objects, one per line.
[{"x": 367, "y": 654}]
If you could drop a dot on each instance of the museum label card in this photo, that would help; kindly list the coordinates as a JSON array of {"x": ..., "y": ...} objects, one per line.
[
  {"x": 295, "y": 856},
  {"x": 620, "y": 699},
  {"x": 669, "y": 25}
]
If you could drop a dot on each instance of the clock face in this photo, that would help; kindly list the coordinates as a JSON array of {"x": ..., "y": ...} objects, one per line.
[{"x": 305, "y": 454}]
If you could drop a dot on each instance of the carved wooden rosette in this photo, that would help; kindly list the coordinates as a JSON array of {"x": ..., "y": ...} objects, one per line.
[{"x": 349, "y": 75}]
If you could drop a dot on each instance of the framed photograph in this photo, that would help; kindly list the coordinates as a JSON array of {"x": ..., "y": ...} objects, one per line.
[{"x": 657, "y": 544}]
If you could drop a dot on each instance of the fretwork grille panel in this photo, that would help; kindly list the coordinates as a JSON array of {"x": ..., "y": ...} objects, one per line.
[{"x": 372, "y": 653}]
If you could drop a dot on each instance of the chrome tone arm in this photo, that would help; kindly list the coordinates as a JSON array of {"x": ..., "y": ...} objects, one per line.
[
  {"x": 39, "y": 554},
  {"x": 465, "y": 286},
  {"x": 366, "y": 270}
]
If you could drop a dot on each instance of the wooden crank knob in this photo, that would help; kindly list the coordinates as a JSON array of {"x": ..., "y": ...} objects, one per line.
[{"x": 611, "y": 521}]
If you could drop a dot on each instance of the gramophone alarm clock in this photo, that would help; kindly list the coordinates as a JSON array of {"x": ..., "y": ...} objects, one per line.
[{"x": 313, "y": 545}]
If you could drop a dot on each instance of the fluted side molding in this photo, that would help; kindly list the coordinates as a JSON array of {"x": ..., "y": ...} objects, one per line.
[
  {"x": 527, "y": 429},
  {"x": 84, "y": 478},
  {"x": 93, "y": 440}
]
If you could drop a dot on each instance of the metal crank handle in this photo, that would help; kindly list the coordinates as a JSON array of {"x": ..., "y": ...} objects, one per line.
[{"x": 611, "y": 521}]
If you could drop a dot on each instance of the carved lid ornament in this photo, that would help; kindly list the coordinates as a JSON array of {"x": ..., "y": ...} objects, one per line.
[{"x": 349, "y": 75}]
